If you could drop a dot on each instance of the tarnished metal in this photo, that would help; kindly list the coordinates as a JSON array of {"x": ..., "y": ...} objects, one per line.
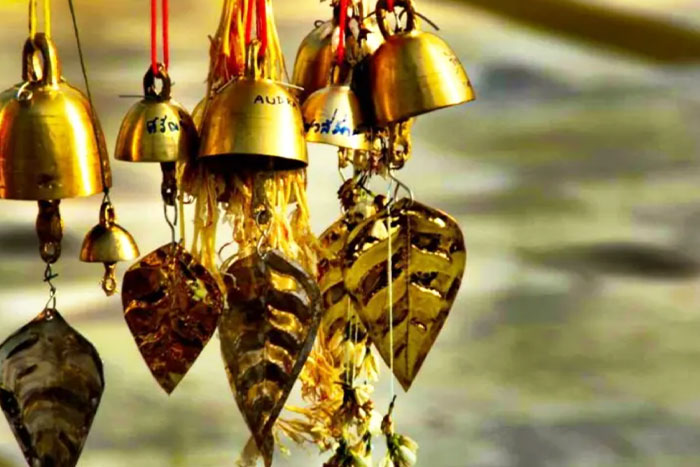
[
  {"x": 108, "y": 243},
  {"x": 50, "y": 388},
  {"x": 198, "y": 114},
  {"x": 333, "y": 115},
  {"x": 414, "y": 72},
  {"x": 157, "y": 129},
  {"x": 428, "y": 262},
  {"x": 49, "y": 229},
  {"x": 255, "y": 123},
  {"x": 51, "y": 144},
  {"x": 172, "y": 306},
  {"x": 266, "y": 335}
]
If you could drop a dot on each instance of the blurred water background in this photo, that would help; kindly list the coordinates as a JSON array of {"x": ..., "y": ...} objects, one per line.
[{"x": 574, "y": 341}]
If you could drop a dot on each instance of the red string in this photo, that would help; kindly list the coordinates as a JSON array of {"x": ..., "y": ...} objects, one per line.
[
  {"x": 340, "y": 57},
  {"x": 262, "y": 26},
  {"x": 249, "y": 22},
  {"x": 154, "y": 39},
  {"x": 390, "y": 5},
  {"x": 166, "y": 34}
]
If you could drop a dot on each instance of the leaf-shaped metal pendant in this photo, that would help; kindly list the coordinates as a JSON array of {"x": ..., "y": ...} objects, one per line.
[
  {"x": 428, "y": 261},
  {"x": 266, "y": 334},
  {"x": 51, "y": 386},
  {"x": 172, "y": 306},
  {"x": 338, "y": 307}
]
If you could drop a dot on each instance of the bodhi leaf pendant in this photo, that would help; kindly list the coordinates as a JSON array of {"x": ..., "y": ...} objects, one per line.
[
  {"x": 266, "y": 334},
  {"x": 51, "y": 387},
  {"x": 428, "y": 259},
  {"x": 172, "y": 306}
]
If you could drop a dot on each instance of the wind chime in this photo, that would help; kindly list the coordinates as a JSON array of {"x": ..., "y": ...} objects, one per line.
[
  {"x": 288, "y": 306},
  {"x": 52, "y": 148}
]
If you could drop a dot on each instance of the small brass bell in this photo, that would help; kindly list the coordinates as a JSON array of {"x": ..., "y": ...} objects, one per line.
[
  {"x": 333, "y": 115},
  {"x": 255, "y": 122},
  {"x": 414, "y": 72},
  {"x": 314, "y": 60},
  {"x": 156, "y": 129},
  {"x": 52, "y": 146},
  {"x": 108, "y": 243}
]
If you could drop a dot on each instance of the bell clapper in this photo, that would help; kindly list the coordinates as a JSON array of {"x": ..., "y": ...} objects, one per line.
[
  {"x": 109, "y": 280},
  {"x": 49, "y": 228}
]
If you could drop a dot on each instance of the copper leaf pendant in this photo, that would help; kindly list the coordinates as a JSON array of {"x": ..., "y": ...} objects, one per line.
[
  {"x": 266, "y": 335},
  {"x": 52, "y": 383},
  {"x": 172, "y": 306},
  {"x": 428, "y": 261}
]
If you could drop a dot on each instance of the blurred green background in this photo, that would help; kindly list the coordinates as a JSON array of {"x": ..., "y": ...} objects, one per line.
[{"x": 574, "y": 341}]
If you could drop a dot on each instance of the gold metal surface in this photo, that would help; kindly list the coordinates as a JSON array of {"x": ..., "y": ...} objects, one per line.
[
  {"x": 428, "y": 262},
  {"x": 198, "y": 114},
  {"x": 108, "y": 243},
  {"x": 256, "y": 123},
  {"x": 314, "y": 60},
  {"x": 157, "y": 129},
  {"x": 48, "y": 148},
  {"x": 414, "y": 72},
  {"x": 266, "y": 333},
  {"x": 333, "y": 115},
  {"x": 51, "y": 384},
  {"x": 172, "y": 306}
]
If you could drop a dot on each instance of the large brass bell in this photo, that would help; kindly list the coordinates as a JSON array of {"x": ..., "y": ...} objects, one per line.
[
  {"x": 108, "y": 243},
  {"x": 156, "y": 129},
  {"x": 333, "y": 115},
  {"x": 314, "y": 60},
  {"x": 414, "y": 72},
  {"x": 51, "y": 144},
  {"x": 198, "y": 114},
  {"x": 255, "y": 122}
]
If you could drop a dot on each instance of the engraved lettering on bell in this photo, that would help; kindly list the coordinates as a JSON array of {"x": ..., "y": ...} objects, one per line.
[
  {"x": 428, "y": 262},
  {"x": 266, "y": 334},
  {"x": 172, "y": 306},
  {"x": 51, "y": 387}
]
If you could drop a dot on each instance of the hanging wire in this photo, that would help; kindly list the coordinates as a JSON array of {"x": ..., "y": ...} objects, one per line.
[
  {"x": 172, "y": 223},
  {"x": 49, "y": 276},
  {"x": 89, "y": 96}
]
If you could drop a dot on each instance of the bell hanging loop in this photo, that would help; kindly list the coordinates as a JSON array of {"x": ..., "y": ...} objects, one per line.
[
  {"x": 414, "y": 72},
  {"x": 52, "y": 146}
]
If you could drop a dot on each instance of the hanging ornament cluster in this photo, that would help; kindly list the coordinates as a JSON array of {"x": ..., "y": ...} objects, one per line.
[
  {"x": 288, "y": 306},
  {"x": 51, "y": 149}
]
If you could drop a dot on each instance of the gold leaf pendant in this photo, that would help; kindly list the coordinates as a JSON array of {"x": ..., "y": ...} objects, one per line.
[
  {"x": 172, "y": 306},
  {"x": 51, "y": 387},
  {"x": 428, "y": 262},
  {"x": 266, "y": 334}
]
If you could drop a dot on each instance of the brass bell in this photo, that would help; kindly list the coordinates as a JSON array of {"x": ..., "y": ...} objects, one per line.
[
  {"x": 156, "y": 129},
  {"x": 108, "y": 243},
  {"x": 52, "y": 146},
  {"x": 314, "y": 60},
  {"x": 333, "y": 115},
  {"x": 256, "y": 122},
  {"x": 414, "y": 72}
]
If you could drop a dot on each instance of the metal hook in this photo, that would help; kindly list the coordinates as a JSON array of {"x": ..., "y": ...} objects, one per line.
[
  {"x": 172, "y": 223},
  {"x": 400, "y": 184},
  {"x": 49, "y": 276}
]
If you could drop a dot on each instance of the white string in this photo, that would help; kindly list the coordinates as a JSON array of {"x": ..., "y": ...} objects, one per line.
[{"x": 390, "y": 291}]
